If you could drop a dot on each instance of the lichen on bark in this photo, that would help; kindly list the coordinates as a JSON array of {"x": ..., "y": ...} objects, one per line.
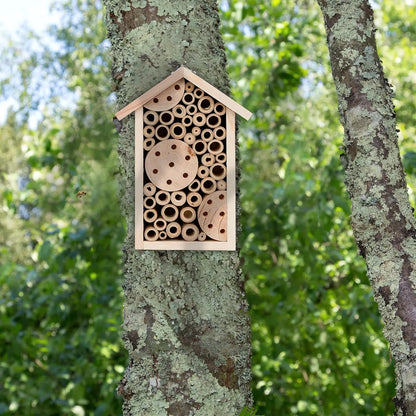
[
  {"x": 185, "y": 322},
  {"x": 382, "y": 219}
]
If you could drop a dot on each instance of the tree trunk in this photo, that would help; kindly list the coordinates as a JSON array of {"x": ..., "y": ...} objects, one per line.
[
  {"x": 185, "y": 322},
  {"x": 382, "y": 218}
]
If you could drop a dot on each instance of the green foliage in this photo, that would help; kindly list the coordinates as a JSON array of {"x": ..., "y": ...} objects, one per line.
[{"x": 318, "y": 347}]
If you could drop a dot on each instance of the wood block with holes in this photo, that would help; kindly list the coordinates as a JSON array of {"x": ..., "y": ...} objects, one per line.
[{"x": 185, "y": 190}]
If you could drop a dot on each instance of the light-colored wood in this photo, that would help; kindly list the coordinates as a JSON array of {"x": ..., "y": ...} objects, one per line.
[
  {"x": 207, "y": 160},
  {"x": 171, "y": 165},
  {"x": 148, "y": 95},
  {"x": 151, "y": 234},
  {"x": 213, "y": 120},
  {"x": 194, "y": 199},
  {"x": 206, "y": 104},
  {"x": 212, "y": 215},
  {"x": 162, "y": 198},
  {"x": 180, "y": 73},
  {"x": 200, "y": 147},
  {"x": 138, "y": 179},
  {"x": 149, "y": 143},
  {"x": 170, "y": 212},
  {"x": 187, "y": 214},
  {"x": 217, "y": 94},
  {"x": 173, "y": 230},
  {"x": 188, "y": 98},
  {"x": 207, "y": 135},
  {"x": 177, "y": 130},
  {"x": 203, "y": 172},
  {"x": 149, "y": 189},
  {"x": 220, "y": 133},
  {"x": 149, "y": 202},
  {"x": 231, "y": 181},
  {"x": 199, "y": 119},
  {"x": 190, "y": 232},
  {"x": 189, "y": 139},
  {"x": 195, "y": 186},
  {"x": 168, "y": 98},
  {"x": 215, "y": 147},
  {"x": 208, "y": 185},
  {"x": 178, "y": 198},
  {"x": 188, "y": 245},
  {"x": 149, "y": 131},
  {"x": 160, "y": 224},
  {"x": 150, "y": 118},
  {"x": 167, "y": 117},
  {"x": 179, "y": 111}
]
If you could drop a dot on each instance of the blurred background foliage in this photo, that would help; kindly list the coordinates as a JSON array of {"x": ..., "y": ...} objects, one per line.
[{"x": 318, "y": 347}]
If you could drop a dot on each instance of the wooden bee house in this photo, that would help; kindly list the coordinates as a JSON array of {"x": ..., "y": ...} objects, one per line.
[{"x": 185, "y": 186}]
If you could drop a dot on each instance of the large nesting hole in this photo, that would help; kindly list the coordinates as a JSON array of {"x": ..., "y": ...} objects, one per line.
[
  {"x": 188, "y": 214},
  {"x": 178, "y": 130},
  {"x": 188, "y": 98},
  {"x": 205, "y": 103},
  {"x": 150, "y": 117},
  {"x": 199, "y": 147},
  {"x": 190, "y": 232},
  {"x": 163, "y": 196},
  {"x": 217, "y": 170},
  {"x": 214, "y": 146},
  {"x": 194, "y": 198},
  {"x": 166, "y": 117},
  {"x": 208, "y": 184},
  {"x": 170, "y": 212},
  {"x": 178, "y": 197},
  {"x": 173, "y": 229},
  {"x": 194, "y": 186},
  {"x": 162, "y": 132},
  {"x": 151, "y": 233}
]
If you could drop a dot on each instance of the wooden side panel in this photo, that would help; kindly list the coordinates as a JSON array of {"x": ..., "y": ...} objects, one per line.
[
  {"x": 138, "y": 175},
  {"x": 231, "y": 180}
]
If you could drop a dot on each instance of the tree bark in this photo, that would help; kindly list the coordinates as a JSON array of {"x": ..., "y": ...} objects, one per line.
[
  {"x": 382, "y": 218},
  {"x": 186, "y": 326}
]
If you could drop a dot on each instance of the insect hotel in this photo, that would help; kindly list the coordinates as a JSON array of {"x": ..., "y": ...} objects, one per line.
[{"x": 185, "y": 185}]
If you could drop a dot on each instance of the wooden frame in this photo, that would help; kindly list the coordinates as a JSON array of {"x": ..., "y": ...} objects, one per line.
[{"x": 164, "y": 136}]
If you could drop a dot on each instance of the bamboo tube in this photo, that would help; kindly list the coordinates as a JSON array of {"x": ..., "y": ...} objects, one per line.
[
  {"x": 151, "y": 234},
  {"x": 160, "y": 224},
  {"x": 195, "y": 186},
  {"x": 221, "y": 158},
  {"x": 187, "y": 120},
  {"x": 207, "y": 159},
  {"x": 166, "y": 118},
  {"x": 213, "y": 120},
  {"x": 203, "y": 172},
  {"x": 177, "y": 130},
  {"x": 178, "y": 198},
  {"x": 206, "y": 104},
  {"x": 220, "y": 133},
  {"x": 187, "y": 214},
  {"x": 148, "y": 143},
  {"x": 173, "y": 230},
  {"x": 215, "y": 147},
  {"x": 196, "y": 131},
  {"x": 179, "y": 111},
  {"x": 218, "y": 171},
  {"x": 191, "y": 109},
  {"x": 150, "y": 215},
  {"x": 194, "y": 199},
  {"x": 190, "y": 232},
  {"x": 219, "y": 109},
  {"x": 199, "y": 119},
  {"x": 189, "y": 139},
  {"x": 208, "y": 185},
  {"x": 188, "y": 98},
  {"x": 148, "y": 131},
  {"x": 198, "y": 93},
  {"x": 162, "y": 197},
  {"x": 162, "y": 235},
  {"x": 199, "y": 147},
  {"x": 150, "y": 118},
  {"x": 221, "y": 185},
  {"x": 202, "y": 236},
  {"x": 162, "y": 132},
  {"x": 149, "y": 202},
  {"x": 207, "y": 135},
  {"x": 170, "y": 212},
  {"x": 189, "y": 87},
  {"x": 149, "y": 189}
]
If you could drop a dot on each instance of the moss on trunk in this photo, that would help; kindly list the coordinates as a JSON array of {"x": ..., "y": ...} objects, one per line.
[{"x": 185, "y": 322}]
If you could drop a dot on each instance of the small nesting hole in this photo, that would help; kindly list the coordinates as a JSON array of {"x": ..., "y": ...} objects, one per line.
[
  {"x": 210, "y": 225},
  {"x": 157, "y": 153},
  {"x": 205, "y": 213},
  {"x": 171, "y": 164},
  {"x": 169, "y": 182},
  {"x": 209, "y": 202},
  {"x": 163, "y": 197},
  {"x": 177, "y": 87},
  {"x": 160, "y": 223},
  {"x": 194, "y": 198},
  {"x": 155, "y": 100},
  {"x": 221, "y": 196},
  {"x": 155, "y": 171},
  {"x": 185, "y": 175},
  {"x": 222, "y": 231},
  {"x": 187, "y": 157},
  {"x": 169, "y": 98},
  {"x": 173, "y": 147},
  {"x": 222, "y": 213},
  {"x": 187, "y": 214}
]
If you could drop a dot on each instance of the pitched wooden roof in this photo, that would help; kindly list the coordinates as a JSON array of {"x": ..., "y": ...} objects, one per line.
[{"x": 180, "y": 73}]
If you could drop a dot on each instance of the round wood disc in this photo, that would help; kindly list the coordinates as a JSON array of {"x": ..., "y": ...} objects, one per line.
[
  {"x": 212, "y": 215},
  {"x": 167, "y": 98},
  {"x": 171, "y": 165}
]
